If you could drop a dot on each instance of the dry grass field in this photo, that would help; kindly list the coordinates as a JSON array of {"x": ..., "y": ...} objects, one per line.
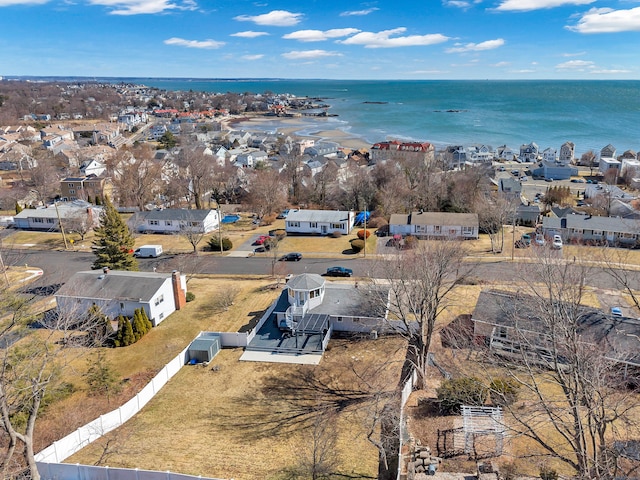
[{"x": 248, "y": 420}]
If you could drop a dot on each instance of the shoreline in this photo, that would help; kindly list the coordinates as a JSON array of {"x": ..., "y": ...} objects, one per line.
[{"x": 303, "y": 127}]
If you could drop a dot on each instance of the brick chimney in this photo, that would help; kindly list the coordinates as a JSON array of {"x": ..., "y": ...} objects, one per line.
[{"x": 179, "y": 295}]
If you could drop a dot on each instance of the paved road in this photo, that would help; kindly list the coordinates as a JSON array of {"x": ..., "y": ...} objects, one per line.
[{"x": 58, "y": 266}]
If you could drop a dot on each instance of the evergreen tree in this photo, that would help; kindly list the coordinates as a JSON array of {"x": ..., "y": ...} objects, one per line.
[
  {"x": 146, "y": 320},
  {"x": 98, "y": 201},
  {"x": 137, "y": 325},
  {"x": 18, "y": 208},
  {"x": 113, "y": 241},
  {"x": 120, "y": 333},
  {"x": 128, "y": 338},
  {"x": 101, "y": 378}
]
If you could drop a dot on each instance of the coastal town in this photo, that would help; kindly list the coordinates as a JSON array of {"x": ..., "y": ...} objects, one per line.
[{"x": 358, "y": 367}]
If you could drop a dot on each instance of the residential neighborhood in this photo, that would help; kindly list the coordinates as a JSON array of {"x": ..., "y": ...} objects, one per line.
[{"x": 308, "y": 287}]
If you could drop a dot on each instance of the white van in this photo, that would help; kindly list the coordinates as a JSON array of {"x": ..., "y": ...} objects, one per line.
[{"x": 148, "y": 251}]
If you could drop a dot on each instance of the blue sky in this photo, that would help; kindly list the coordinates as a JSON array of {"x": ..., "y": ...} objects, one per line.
[{"x": 400, "y": 39}]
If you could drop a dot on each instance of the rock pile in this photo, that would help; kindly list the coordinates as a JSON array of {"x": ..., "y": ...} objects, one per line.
[{"x": 422, "y": 463}]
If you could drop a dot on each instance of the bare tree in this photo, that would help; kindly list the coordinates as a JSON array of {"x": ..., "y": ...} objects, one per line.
[
  {"x": 266, "y": 193},
  {"x": 418, "y": 286},
  {"x": 44, "y": 176},
  {"x": 30, "y": 363},
  {"x": 616, "y": 262},
  {"x": 79, "y": 221},
  {"x": 136, "y": 177},
  {"x": 577, "y": 402},
  {"x": 196, "y": 168},
  {"x": 493, "y": 213},
  {"x": 191, "y": 229}
]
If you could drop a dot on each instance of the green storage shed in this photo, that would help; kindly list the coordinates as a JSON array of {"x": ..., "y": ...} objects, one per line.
[{"x": 203, "y": 349}]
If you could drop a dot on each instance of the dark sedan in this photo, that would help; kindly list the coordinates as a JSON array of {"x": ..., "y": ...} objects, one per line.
[
  {"x": 291, "y": 257},
  {"x": 339, "y": 272}
]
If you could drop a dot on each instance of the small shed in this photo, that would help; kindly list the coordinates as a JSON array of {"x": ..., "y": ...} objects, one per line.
[{"x": 203, "y": 349}]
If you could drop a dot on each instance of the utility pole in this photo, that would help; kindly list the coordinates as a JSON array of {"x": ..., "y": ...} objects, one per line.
[
  {"x": 64, "y": 238},
  {"x": 219, "y": 228}
]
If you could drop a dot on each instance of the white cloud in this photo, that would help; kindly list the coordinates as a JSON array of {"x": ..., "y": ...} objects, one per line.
[
  {"x": 524, "y": 70},
  {"x": 463, "y": 4},
  {"x": 359, "y": 12},
  {"x": 577, "y": 54},
  {"x": 139, "y": 7},
  {"x": 319, "y": 35},
  {"x": 305, "y": 54},
  {"x": 609, "y": 72},
  {"x": 606, "y": 20},
  {"x": 575, "y": 65},
  {"x": 8, "y": 3},
  {"x": 382, "y": 40},
  {"x": 527, "y": 5},
  {"x": 501, "y": 64},
  {"x": 252, "y": 57},
  {"x": 181, "y": 42},
  {"x": 476, "y": 47},
  {"x": 249, "y": 34},
  {"x": 275, "y": 18}
]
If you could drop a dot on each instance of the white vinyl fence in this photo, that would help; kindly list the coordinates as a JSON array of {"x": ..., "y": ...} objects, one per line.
[
  {"x": 406, "y": 391},
  {"x": 83, "y": 436},
  {"x": 65, "y": 471}
]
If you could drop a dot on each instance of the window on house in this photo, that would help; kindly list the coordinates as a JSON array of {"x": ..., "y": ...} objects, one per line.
[
  {"x": 50, "y": 220},
  {"x": 501, "y": 332},
  {"x": 337, "y": 226},
  {"x": 167, "y": 222},
  {"x": 597, "y": 232},
  {"x": 70, "y": 185},
  {"x": 194, "y": 224},
  {"x": 121, "y": 306},
  {"x": 294, "y": 224},
  {"x": 313, "y": 224},
  {"x": 338, "y": 319},
  {"x": 159, "y": 300},
  {"x": 467, "y": 230},
  {"x": 38, "y": 220},
  {"x": 437, "y": 228},
  {"x": 72, "y": 191},
  {"x": 161, "y": 316},
  {"x": 154, "y": 222}
]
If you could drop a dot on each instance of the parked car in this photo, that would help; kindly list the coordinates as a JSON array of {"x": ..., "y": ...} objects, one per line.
[
  {"x": 339, "y": 272},
  {"x": 291, "y": 257},
  {"x": 557, "y": 242},
  {"x": 261, "y": 239},
  {"x": 577, "y": 180},
  {"x": 540, "y": 240},
  {"x": 616, "y": 311}
]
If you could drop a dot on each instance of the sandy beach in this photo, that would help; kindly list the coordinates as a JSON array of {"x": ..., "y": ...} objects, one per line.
[{"x": 302, "y": 127}]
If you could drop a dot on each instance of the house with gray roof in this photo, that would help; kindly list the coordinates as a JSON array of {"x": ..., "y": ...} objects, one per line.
[
  {"x": 305, "y": 315},
  {"x": 508, "y": 321},
  {"x": 174, "y": 220},
  {"x": 554, "y": 170},
  {"x": 593, "y": 229},
  {"x": 510, "y": 188},
  {"x": 322, "y": 222},
  {"x": 435, "y": 225},
  {"x": 48, "y": 218},
  {"x": 119, "y": 292}
]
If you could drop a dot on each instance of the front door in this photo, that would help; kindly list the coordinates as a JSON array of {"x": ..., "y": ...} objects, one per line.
[{"x": 324, "y": 229}]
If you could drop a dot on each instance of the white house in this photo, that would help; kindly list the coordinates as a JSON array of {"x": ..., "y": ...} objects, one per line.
[
  {"x": 323, "y": 222},
  {"x": 607, "y": 164},
  {"x": 46, "y": 218},
  {"x": 93, "y": 167},
  {"x": 567, "y": 152},
  {"x": 435, "y": 225},
  {"x": 174, "y": 221},
  {"x": 119, "y": 292},
  {"x": 549, "y": 154}
]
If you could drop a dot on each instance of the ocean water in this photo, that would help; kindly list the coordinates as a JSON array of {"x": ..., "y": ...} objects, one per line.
[{"x": 591, "y": 114}]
